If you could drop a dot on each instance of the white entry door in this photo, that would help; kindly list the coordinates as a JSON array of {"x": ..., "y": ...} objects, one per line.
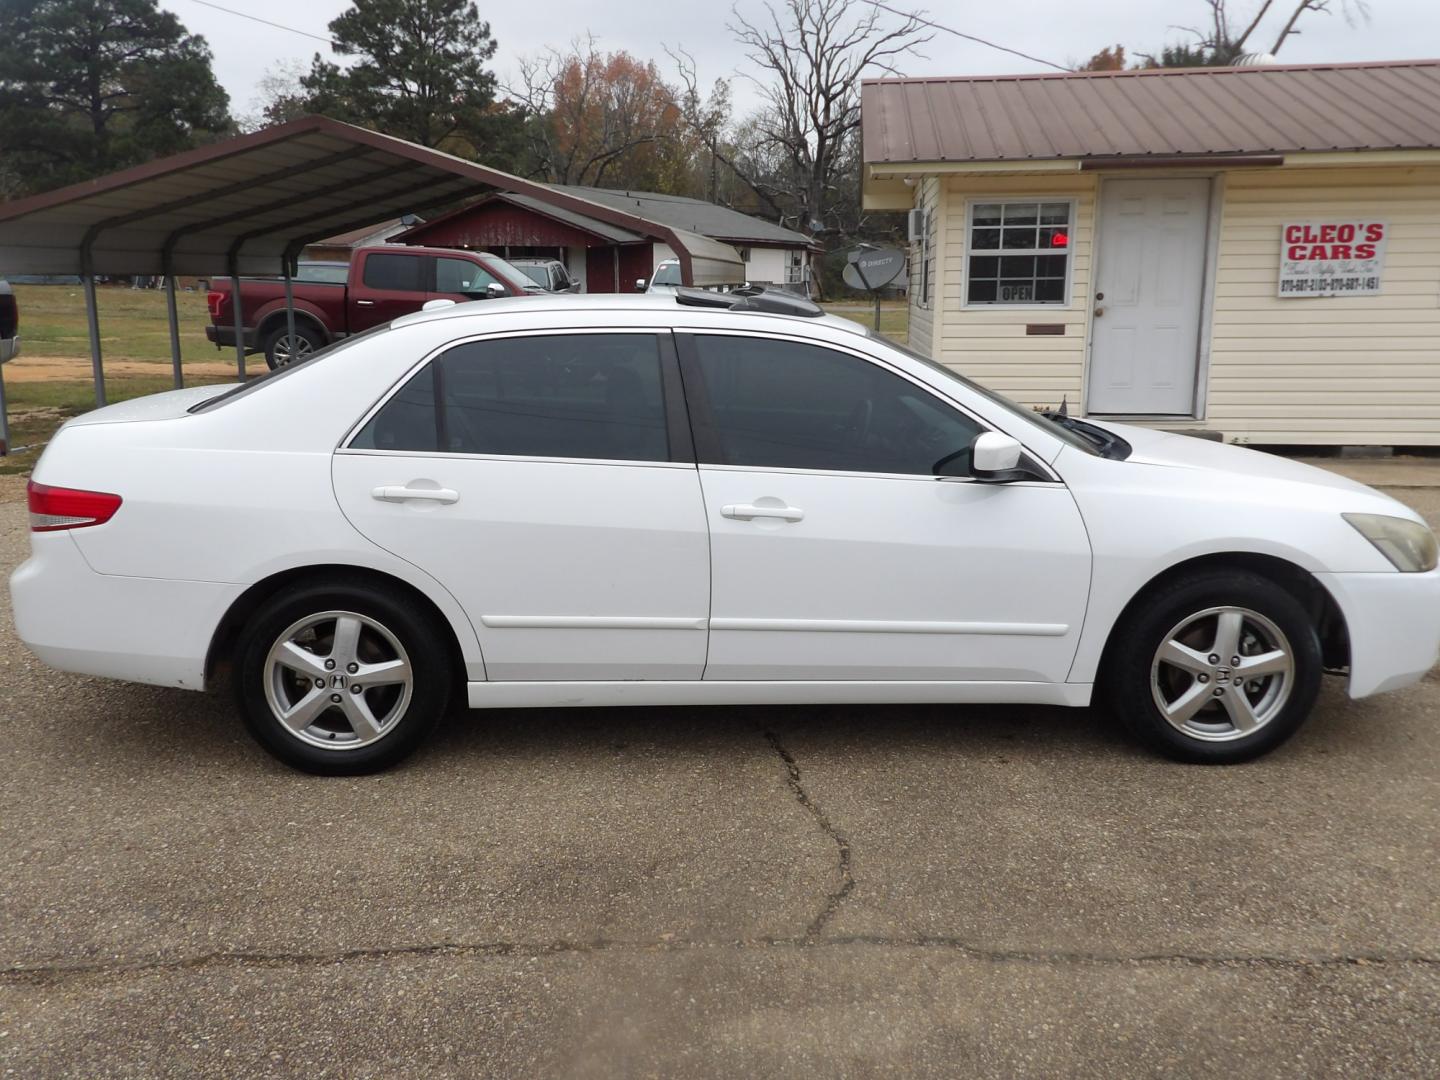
[{"x": 1150, "y": 278}]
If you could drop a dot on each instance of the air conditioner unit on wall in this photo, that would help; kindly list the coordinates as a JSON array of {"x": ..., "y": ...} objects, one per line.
[{"x": 918, "y": 225}]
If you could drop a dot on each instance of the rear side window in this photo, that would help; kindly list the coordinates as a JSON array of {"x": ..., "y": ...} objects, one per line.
[
  {"x": 786, "y": 404},
  {"x": 564, "y": 395},
  {"x": 405, "y": 273}
]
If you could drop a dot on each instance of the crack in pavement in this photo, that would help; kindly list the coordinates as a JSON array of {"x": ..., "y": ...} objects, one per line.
[
  {"x": 847, "y": 878},
  {"x": 44, "y": 975}
]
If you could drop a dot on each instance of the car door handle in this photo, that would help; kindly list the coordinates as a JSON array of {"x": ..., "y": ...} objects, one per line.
[
  {"x": 400, "y": 493},
  {"x": 364, "y": 303},
  {"x": 744, "y": 512}
]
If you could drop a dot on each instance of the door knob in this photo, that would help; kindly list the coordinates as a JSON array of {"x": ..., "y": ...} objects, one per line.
[{"x": 1099, "y": 311}]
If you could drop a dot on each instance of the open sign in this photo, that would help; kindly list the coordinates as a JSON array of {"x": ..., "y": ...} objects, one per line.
[{"x": 1331, "y": 258}]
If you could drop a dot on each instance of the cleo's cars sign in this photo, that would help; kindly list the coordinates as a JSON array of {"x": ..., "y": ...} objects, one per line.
[{"x": 1332, "y": 258}]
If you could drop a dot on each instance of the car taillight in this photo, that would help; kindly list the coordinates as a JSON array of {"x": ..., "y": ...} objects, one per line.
[
  {"x": 56, "y": 508},
  {"x": 216, "y": 300}
]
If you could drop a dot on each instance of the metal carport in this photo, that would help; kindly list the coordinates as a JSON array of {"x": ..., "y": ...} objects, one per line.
[{"x": 248, "y": 205}]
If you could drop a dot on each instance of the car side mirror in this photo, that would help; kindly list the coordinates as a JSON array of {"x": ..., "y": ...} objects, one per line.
[
  {"x": 995, "y": 459},
  {"x": 639, "y": 284},
  {"x": 496, "y": 289}
]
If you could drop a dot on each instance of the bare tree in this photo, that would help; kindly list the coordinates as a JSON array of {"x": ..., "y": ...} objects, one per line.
[
  {"x": 811, "y": 55},
  {"x": 1223, "y": 42}
]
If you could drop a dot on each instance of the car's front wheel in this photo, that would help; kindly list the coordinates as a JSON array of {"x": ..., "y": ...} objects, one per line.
[
  {"x": 1214, "y": 667},
  {"x": 338, "y": 678}
]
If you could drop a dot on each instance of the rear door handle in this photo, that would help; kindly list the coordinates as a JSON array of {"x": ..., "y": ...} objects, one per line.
[
  {"x": 744, "y": 512},
  {"x": 364, "y": 303},
  {"x": 400, "y": 493}
]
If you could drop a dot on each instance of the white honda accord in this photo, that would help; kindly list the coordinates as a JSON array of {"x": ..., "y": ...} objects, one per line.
[{"x": 697, "y": 499}]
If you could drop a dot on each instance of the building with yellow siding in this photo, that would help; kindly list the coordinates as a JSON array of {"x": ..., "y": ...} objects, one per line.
[{"x": 1252, "y": 252}]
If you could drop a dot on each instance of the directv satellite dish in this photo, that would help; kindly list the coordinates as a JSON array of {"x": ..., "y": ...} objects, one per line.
[{"x": 870, "y": 269}]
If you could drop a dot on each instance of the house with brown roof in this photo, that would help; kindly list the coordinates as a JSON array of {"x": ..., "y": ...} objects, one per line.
[{"x": 1247, "y": 251}]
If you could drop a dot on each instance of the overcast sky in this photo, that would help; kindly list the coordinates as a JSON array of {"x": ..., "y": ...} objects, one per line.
[{"x": 1062, "y": 31}]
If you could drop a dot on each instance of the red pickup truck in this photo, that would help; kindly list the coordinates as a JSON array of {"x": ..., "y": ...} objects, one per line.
[{"x": 333, "y": 301}]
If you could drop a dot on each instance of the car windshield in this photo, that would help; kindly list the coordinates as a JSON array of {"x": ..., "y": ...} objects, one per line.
[
  {"x": 534, "y": 273},
  {"x": 259, "y": 382},
  {"x": 667, "y": 274},
  {"x": 1068, "y": 436}
]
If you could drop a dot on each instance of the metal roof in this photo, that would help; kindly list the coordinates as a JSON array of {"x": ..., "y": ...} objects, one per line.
[
  {"x": 696, "y": 215},
  {"x": 247, "y": 203},
  {"x": 1168, "y": 112},
  {"x": 612, "y": 233}
]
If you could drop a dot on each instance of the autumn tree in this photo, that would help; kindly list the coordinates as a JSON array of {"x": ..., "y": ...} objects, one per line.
[
  {"x": 1110, "y": 59},
  {"x": 604, "y": 119},
  {"x": 417, "y": 71},
  {"x": 89, "y": 86}
]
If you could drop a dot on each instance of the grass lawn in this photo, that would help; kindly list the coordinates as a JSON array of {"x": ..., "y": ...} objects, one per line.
[
  {"x": 894, "y": 317},
  {"x": 132, "y": 323}
]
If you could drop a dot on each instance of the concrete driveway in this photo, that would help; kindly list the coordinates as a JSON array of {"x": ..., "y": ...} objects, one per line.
[{"x": 789, "y": 892}]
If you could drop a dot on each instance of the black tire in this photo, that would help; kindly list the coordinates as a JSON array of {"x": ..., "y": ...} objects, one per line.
[
  {"x": 1126, "y": 676},
  {"x": 395, "y": 613},
  {"x": 310, "y": 340}
]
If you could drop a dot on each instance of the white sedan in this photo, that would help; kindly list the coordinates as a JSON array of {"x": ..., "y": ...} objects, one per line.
[{"x": 697, "y": 499}]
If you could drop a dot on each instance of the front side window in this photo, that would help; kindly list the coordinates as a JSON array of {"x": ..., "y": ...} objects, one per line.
[
  {"x": 562, "y": 395},
  {"x": 784, "y": 404},
  {"x": 1019, "y": 253},
  {"x": 668, "y": 274},
  {"x": 403, "y": 273},
  {"x": 461, "y": 276}
]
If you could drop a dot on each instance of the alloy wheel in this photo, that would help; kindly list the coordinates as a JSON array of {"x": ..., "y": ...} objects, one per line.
[
  {"x": 1222, "y": 674},
  {"x": 285, "y": 353},
  {"x": 338, "y": 680}
]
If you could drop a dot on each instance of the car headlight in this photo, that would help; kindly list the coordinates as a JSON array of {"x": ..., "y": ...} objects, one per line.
[{"x": 1407, "y": 544}]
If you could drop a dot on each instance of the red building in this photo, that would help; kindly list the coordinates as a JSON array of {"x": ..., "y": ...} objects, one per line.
[{"x": 608, "y": 258}]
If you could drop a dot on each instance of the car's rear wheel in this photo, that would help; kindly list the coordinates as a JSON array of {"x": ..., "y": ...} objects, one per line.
[
  {"x": 1215, "y": 667},
  {"x": 338, "y": 679},
  {"x": 280, "y": 350}
]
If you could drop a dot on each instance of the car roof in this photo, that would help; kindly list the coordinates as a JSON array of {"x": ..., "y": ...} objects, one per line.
[
  {"x": 668, "y": 307},
  {"x": 522, "y": 260}
]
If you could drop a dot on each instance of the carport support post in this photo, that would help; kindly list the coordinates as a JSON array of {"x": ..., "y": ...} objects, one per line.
[
  {"x": 174, "y": 328},
  {"x": 92, "y": 316},
  {"x": 4, "y": 416},
  {"x": 239, "y": 323},
  {"x": 290, "y": 310}
]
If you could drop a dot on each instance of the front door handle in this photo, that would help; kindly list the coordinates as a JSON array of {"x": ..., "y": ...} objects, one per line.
[
  {"x": 744, "y": 512},
  {"x": 401, "y": 493},
  {"x": 364, "y": 303}
]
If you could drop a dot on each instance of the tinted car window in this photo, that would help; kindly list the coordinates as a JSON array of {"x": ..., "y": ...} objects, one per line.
[
  {"x": 566, "y": 395},
  {"x": 533, "y": 272},
  {"x": 461, "y": 276},
  {"x": 783, "y": 404},
  {"x": 402, "y": 272}
]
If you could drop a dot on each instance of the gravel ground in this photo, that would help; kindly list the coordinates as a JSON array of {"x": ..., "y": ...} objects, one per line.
[{"x": 714, "y": 892}]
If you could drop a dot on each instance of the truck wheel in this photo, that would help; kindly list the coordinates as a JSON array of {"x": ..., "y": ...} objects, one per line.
[{"x": 278, "y": 351}]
